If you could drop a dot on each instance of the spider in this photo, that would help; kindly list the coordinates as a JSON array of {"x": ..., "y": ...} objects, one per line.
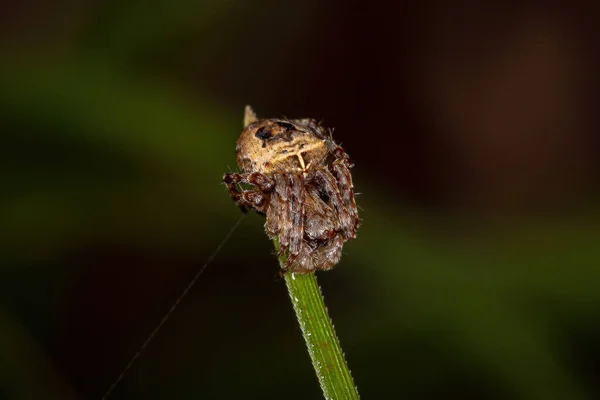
[{"x": 298, "y": 177}]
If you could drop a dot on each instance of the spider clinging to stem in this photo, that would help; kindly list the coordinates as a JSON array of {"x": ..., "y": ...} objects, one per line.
[{"x": 300, "y": 179}]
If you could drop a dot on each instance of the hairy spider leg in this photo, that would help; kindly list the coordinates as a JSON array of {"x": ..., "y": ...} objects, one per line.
[
  {"x": 328, "y": 183},
  {"x": 279, "y": 224},
  {"x": 296, "y": 209},
  {"x": 283, "y": 218},
  {"x": 256, "y": 198},
  {"x": 341, "y": 170}
]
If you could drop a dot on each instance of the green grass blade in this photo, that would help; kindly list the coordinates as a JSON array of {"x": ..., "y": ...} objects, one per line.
[{"x": 321, "y": 341}]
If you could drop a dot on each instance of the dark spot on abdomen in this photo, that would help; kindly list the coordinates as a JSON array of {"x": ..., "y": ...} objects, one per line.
[
  {"x": 286, "y": 125},
  {"x": 263, "y": 133}
]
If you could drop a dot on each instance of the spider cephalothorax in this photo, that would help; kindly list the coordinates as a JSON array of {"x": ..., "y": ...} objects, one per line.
[{"x": 300, "y": 179}]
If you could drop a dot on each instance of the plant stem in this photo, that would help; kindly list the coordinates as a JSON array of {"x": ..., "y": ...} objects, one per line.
[{"x": 317, "y": 328}]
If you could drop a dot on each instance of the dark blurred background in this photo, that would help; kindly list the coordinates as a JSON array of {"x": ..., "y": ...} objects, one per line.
[{"x": 473, "y": 127}]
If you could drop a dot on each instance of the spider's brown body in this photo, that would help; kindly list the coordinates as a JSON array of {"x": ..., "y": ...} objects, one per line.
[{"x": 300, "y": 179}]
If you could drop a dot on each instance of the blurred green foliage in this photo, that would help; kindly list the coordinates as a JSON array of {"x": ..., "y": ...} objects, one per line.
[{"x": 95, "y": 151}]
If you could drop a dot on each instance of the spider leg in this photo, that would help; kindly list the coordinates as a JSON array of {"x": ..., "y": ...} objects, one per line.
[
  {"x": 263, "y": 182},
  {"x": 280, "y": 217},
  {"x": 341, "y": 170},
  {"x": 274, "y": 210},
  {"x": 285, "y": 218},
  {"x": 299, "y": 252},
  {"x": 328, "y": 183},
  {"x": 296, "y": 182},
  {"x": 256, "y": 198},
  {"x": 321, "y": 248}
]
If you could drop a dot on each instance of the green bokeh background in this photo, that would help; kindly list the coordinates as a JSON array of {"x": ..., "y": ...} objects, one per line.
[{"x": 118, "y": 120}]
